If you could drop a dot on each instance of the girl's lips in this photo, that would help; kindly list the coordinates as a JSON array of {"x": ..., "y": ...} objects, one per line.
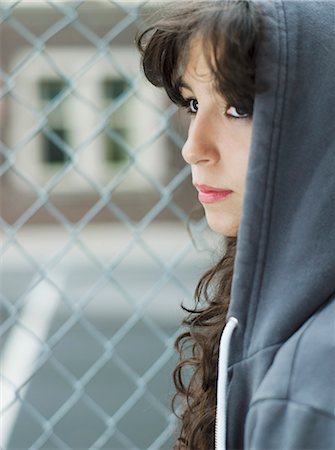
[{"x": 209, "y": 194}]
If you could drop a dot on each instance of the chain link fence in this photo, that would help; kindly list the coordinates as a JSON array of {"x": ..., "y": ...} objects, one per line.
[{"x": 95, "y": 258}]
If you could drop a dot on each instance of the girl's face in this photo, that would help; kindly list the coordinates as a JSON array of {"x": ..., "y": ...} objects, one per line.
[{"x": 217, "y": 147}]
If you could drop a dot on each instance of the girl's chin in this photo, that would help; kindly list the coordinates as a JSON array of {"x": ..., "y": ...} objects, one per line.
[{"x": 222, "y": 225}]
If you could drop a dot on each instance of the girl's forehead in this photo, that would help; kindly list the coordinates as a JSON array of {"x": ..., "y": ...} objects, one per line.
[{"x": 196, "y": 65}]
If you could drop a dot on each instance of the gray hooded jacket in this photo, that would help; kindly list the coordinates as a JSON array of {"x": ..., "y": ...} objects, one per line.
[{"x": 280, "y": 387}]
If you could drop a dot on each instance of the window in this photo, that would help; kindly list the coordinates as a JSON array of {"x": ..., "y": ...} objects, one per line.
[
  {"x": 118, "y": 130},
  {"x": 52, "y": 148}
]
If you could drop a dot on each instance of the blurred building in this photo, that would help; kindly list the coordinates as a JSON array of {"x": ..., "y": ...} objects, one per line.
[{"x": 79, "y": 124}]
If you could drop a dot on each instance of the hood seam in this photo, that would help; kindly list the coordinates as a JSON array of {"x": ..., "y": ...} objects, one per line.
[{"x": 278, "y": 112}]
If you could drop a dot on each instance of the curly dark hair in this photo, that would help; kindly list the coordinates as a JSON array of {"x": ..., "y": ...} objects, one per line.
[{"x": 230, "y": 32}]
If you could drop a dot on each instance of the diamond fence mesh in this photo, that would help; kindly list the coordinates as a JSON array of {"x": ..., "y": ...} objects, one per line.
[{"x": 95, "y": 258}]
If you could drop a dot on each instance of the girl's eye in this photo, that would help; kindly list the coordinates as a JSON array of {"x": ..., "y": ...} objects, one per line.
[
  {"x": 234, "y": 113},
  {"x": 193, "y": 105}
]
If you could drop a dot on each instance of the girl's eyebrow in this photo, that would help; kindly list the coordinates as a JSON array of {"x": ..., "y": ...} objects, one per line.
[{"x": 183, "y": 84}]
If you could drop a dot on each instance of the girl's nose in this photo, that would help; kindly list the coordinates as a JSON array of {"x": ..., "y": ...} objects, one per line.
[{"x": 200, "y": 146}]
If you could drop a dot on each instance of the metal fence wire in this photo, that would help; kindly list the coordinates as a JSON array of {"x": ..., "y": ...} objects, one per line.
[{"x": 95, "y": 259}]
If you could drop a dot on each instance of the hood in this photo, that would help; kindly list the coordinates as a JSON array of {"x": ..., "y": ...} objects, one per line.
[{"x": 285, "y": 261}]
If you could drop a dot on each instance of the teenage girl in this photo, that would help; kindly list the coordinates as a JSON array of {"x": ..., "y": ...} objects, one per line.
[{"x": 258, "y": 80}]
